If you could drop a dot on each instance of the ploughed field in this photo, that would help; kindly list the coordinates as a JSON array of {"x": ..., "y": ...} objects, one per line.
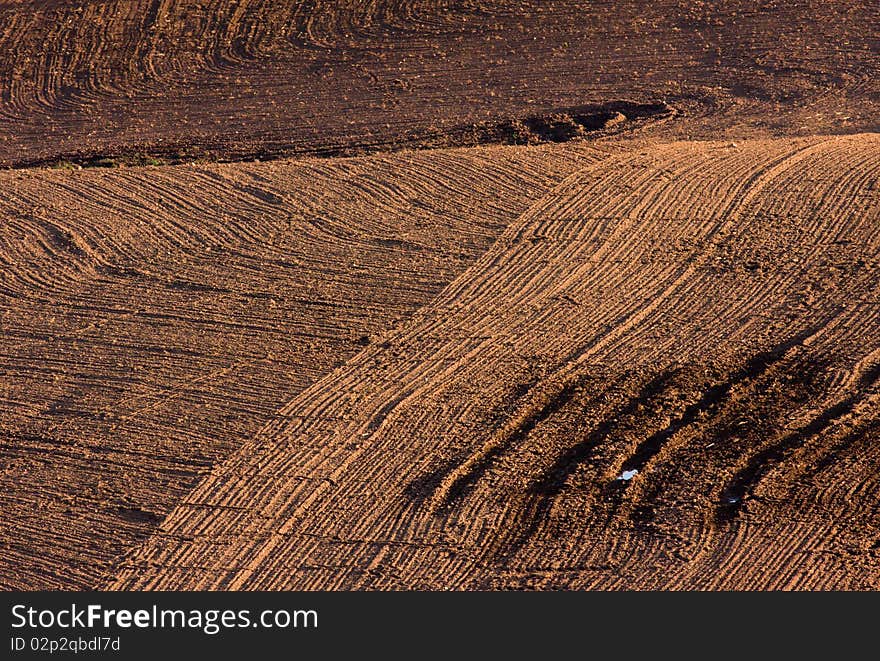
[{"x": 439, "y": 295}]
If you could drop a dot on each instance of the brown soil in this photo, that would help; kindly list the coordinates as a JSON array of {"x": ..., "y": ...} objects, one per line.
[
  {"x": 153, "y": 319},
  {"x": 619, "y": 328},
  {"x": 706, "y": 315},
  {"x": 235, "y": 79}
]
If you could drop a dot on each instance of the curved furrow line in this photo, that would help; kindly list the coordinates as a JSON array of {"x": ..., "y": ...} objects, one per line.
[
  {"x": 689, "y": 265},
  {"x": 541, "y": 406},
  {"x": 91, "y": 55},
  {"x": 727, "y": 542},
  {"x": 544, "y": 490},
  {"x": 370, "y": 23},
  {"x": 827, "y": 533},
  {"x": 746, "y": 480},
  {"x": 712, "y": 400},
  {"x": 30, "y": 242}
]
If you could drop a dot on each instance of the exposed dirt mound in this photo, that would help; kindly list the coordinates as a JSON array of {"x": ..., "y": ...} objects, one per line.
[
  {"x": 664, "y": 374},
  {"x": 562, "y": 126}
]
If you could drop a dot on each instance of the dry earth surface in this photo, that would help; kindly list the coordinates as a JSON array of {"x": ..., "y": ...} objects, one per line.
[
  {"x": 603, "y": 313},
  {"x": 155, "y": 318},
  {"x": 706, "y": 315}
]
